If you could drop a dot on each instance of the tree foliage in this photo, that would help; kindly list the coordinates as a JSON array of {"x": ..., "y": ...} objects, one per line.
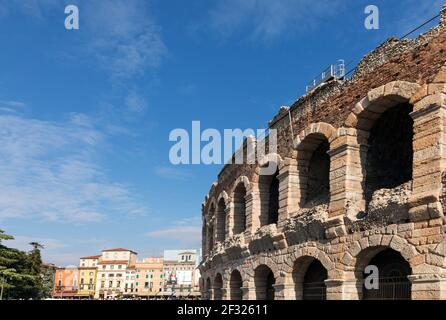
[{"x": 21, "y": 273}]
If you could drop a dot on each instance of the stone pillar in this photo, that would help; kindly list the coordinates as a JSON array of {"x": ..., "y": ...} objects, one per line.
[
  {"x": 225, "y": 292},
  {"x": 217, "y": 293},
  {"x": 229, "y": 213},
  {"x": 288, "y": 189},
  {"x": 249, "y": 293},
  {"x": 341, "y": 289},
  {"x": 346, "y": 193},
  {"x": 284, "y": 292},
  {"x": 252, "y": 211},
  {"x": 429, "y": 147},
  {"x": 211, "y": 294},
  {"x": 428, "y": 286}
]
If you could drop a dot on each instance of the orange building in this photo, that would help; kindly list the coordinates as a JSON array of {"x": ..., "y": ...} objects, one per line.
[
  {"x": 66, "y": 282},
  {"x": 149, "y": 280}
]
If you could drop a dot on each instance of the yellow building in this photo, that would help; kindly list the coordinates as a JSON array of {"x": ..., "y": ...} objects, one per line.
[
  {"x": 149, "y": 280},
  {"x": 88, "y": 267}
]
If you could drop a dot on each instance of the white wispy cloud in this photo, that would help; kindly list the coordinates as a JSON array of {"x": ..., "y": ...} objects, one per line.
[
  {"x": 125, "y": 38},
  {"x": 175, "y": 173},
  {"x": 12, "y": 106},
  {"x": 185, "y": 234},
  {"x": 135, "y": 102},
  {"x": 33, "y": 8},
  {"x": 50, "y": 171},
  {"x": 266, "y": 20}
]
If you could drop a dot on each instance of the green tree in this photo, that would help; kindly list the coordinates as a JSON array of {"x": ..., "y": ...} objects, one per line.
[
  {"x": 35, "y": 265},
  {"x": 13, "y": 269}
]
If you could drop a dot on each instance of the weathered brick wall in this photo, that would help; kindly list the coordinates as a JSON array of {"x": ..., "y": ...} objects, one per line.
[
  {"x": 417, "y": 61},
  {"x": 399, "y": 87}
]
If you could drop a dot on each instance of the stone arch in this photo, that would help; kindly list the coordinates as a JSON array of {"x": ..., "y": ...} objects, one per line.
[
  {"x": 313, "y": 162},
  {"x": 218, "y": 286},
  {"x": 264, "y": 260},
  {"x": 224, "y": 195},
  {"x": 207, "y": 288},
  {"x": 212, "y": 203},
  {"x": 223, "y": 203},
  {"x": 307, "y": 253},
  {"x": 210, "y": 225},
  {"x": 374, "y": 246},
  {"x": 385, "y": 136},
  {"x": 235, "y": 285},
  {"x": 308, "y": 276},
  {"x": 267, "y": 186},
  {"x": 239, "y": 194},
  {"x": 245, "y": 181},
  {"x": 264, "y": 282},
  {"x": 319, "y": 128},
  {"x": 268, "y": 158},
  {"x": 377, "y": 101},
  {"x": 393, "y": 272}
]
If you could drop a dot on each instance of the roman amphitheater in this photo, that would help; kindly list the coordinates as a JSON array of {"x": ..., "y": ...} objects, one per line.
[{"x": 361, "y": 180}]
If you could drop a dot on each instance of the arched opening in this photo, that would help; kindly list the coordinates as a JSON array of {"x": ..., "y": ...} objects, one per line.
[
  {"x": 269, "y": 198},
  {"x": 388, "y": 163},
  {"x": 314, "y": 287},
  {"x": 314, "y": 170},
  {"x": 393, "y": 272},
  {"x": 218, "y": 285},
  {"x": 211, "y": 238},
  {"x": 208, "y": 289},
  {"x": 221, "y": 220},
  {"x": 239, "y": 209},
  {"x": 235, "y": 286},
  {"x": 210, "y": 232},
  {"x": 264, "y": 283},
  {"x": 204, "y": 237},
  {"x": 309, "y": 277}
]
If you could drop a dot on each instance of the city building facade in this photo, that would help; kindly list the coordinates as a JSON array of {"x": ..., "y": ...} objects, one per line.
[
  {"x": 149, "y": 280},
  {"x": 129, "y": 284},
  {"x": 88, "y": 267},
  {"x": 111, "y": 273},
  {"x": 66, "y": 283},
  {"x": 180, "y": 272},
  {"x": 360, "y": 180}
]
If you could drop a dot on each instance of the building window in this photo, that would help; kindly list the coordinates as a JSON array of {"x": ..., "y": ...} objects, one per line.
[
  {"x": 146, "y": 284},
  {"x": 112, "y": 266},
  {"x": 119, "y": 266}
]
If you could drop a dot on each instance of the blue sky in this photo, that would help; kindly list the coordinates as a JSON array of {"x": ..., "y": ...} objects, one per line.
[{"x": 85, "y": 115}]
